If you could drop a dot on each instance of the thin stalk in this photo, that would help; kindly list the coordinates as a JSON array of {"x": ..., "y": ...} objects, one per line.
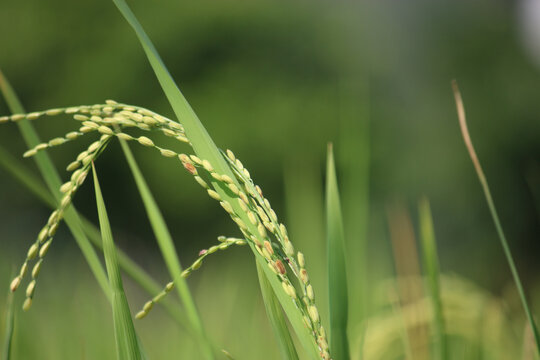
[
  {"x": 431, "y": 264},
  {"x": 483, "y": 182},
  {"x": 168, "y": 250},
  {"x": 10, "y": 327}
]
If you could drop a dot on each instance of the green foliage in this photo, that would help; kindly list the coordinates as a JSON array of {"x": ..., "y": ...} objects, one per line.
[
  {"x": 168, "y": 251},
  {"x": 337, "y": 277},
  {"x": 275, "y": 315},
  {"x": 127, "y": 344},
  {"x": 10, "y": 327},
  {"x": 431, "y": 267}
]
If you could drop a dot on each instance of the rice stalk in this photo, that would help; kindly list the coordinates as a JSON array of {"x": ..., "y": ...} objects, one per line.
[
  {"x": 205, "y": 148},
  {"x": 489, "y": 199},
  {"x": 238, "y": 195}
]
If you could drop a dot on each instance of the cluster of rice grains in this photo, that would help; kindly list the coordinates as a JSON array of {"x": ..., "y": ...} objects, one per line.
[{"x": 253, "y": 214}]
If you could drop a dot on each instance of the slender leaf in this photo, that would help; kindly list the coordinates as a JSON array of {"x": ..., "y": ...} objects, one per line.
[
  {"x": 431, "y": 264},
  {"x": 493, "y": 210},
  {"x": 126, "y": 340},
  {"x": 52, "y": 179},
  {"x": 168, "y": 250},
  {"x": 10, "y": 327},
  {"x": 337, "y": 277},
  {"x": 205, "y": 148},
  {"x": 275, "y": 315}
]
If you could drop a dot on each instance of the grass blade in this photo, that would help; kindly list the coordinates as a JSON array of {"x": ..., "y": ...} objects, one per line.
[
  {"x": 206, "y": 149},
  {"x": 28, "y": 179},
  {"x": 10, "y": 327},
  {"x": 431, "y": 263},
  {"x": 493, "y": 211},
  {"x": 126, "y": 340},
  {"x": 337, "y": 277},
  {"x": 167, "y": 248},
  {"x": 202, "y": 143},
  {"x": 275, "y": 315},
  {"x": 52, "y": 179}
]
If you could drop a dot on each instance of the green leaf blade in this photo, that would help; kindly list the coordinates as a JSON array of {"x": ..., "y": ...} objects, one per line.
[
  {"x": 275, "y": 315},
  {"x": 206, "y": 149},
  {"x": 431, "y": 264},
  {"x": 168, "y": 250},
  {"x": 337, "y": 277},
  {"x": 126, "y": 339}
]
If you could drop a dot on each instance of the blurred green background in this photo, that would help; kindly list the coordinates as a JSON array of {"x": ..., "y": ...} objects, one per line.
[{"x": 275, "y": 81}]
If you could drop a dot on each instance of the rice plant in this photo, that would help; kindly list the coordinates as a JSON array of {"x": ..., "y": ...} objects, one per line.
[{"x": 449, "y": 306}]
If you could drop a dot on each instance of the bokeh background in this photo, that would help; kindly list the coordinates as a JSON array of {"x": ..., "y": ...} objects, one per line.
[{"x": 275, "y": 82}]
